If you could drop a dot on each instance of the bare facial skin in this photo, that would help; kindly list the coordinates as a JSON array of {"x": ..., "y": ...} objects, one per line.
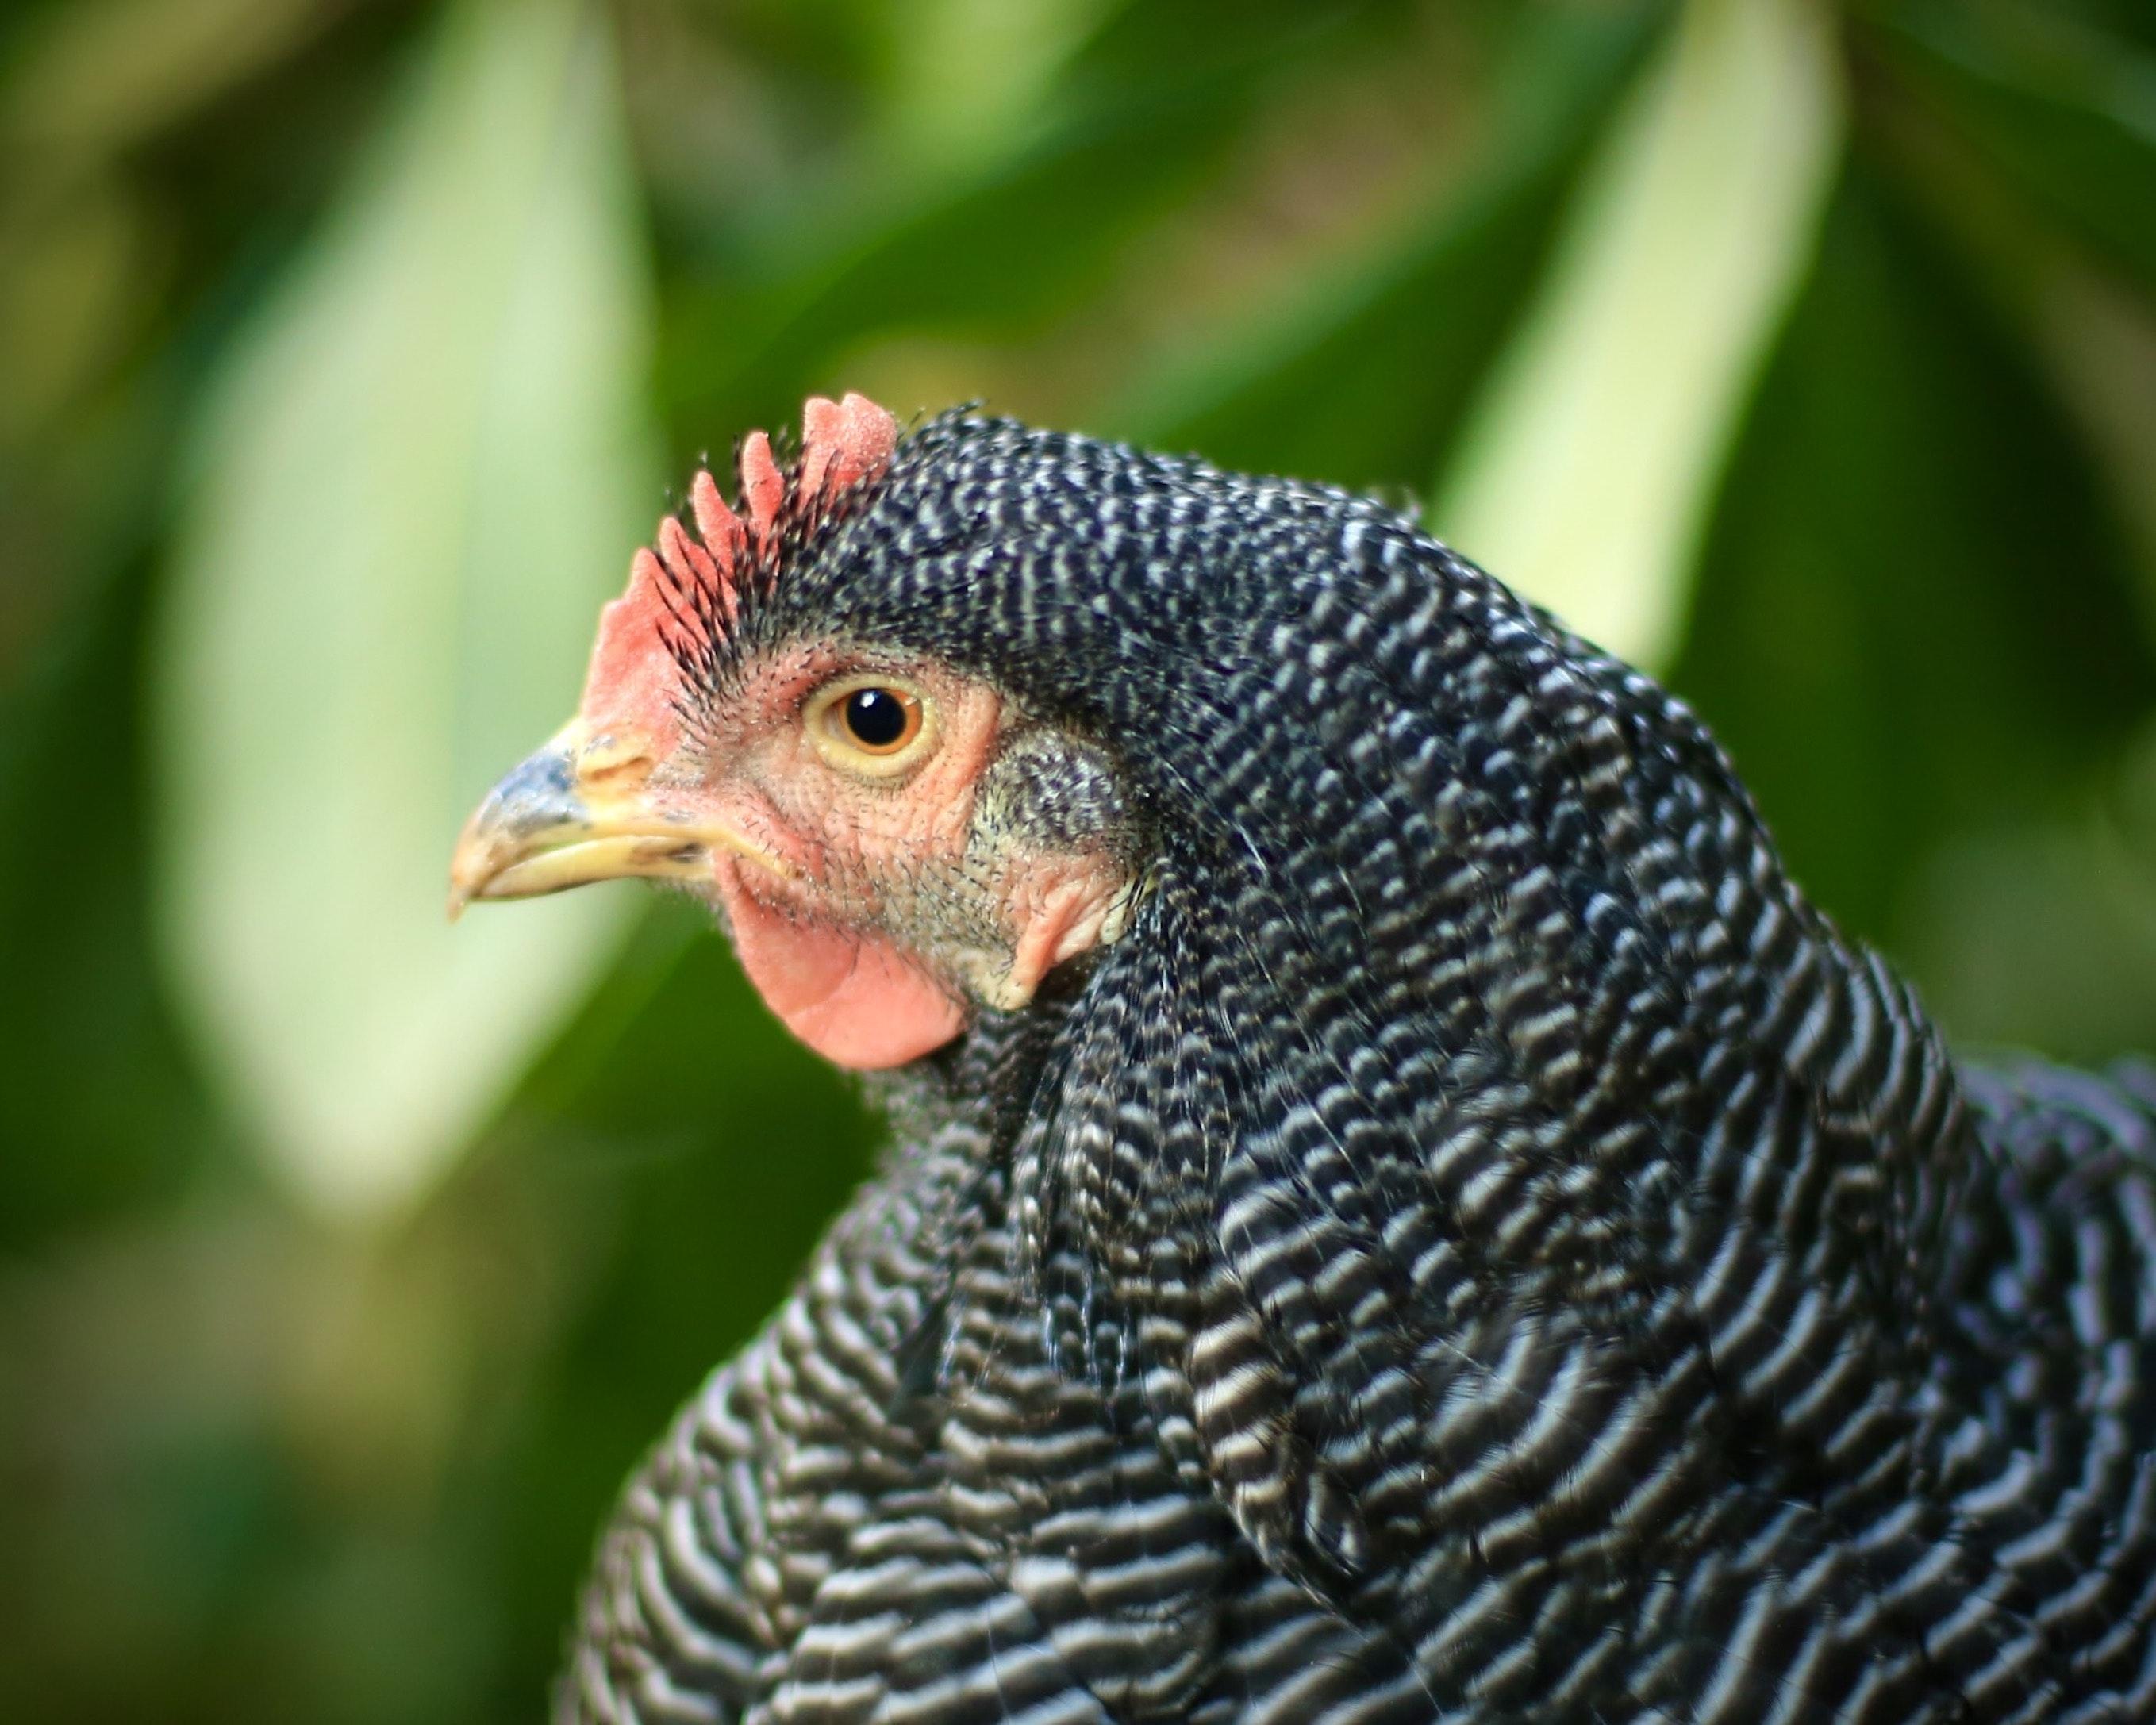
[
  {"x": 876, "y": 894},
  {"x": 892, "y": 845},
  {"x": 901, "y": 903}
]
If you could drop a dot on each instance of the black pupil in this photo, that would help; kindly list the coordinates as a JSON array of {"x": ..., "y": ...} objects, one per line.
[{"x": 875, "y": 716}]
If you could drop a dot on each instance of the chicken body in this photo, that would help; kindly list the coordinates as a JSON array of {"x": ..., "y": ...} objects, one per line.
[{"x": 1476, "y": 1245}]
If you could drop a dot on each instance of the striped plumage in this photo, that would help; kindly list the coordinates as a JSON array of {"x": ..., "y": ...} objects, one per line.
[{"x": 1480, "y": 1245}]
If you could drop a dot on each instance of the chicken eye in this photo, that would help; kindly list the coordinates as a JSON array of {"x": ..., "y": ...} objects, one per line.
[
  {"x": 881, "y": 721},
  {"x": 873, "y": 726}
]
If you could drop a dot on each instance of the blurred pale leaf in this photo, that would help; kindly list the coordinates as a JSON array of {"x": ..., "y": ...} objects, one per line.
[
  {"x": 416, "y": 481},
  {"x": 1585, "y": 471}
]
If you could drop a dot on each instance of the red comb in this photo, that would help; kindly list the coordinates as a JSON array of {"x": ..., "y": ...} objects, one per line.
[
  {"x": 843, "y": 442},
  {"x": 764, "y": 487},
  {"x": 633, "y": 675}
]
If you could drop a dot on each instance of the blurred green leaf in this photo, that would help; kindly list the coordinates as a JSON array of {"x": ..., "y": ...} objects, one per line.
[
  {"x": 2101, "y": 343},
  {"x": 1028, "y": 226},
  {"x": 2066, "y": 960},
  {"x": 2063, "y": 112},
  {"x": 966, "y": 71},
  {"x": 2085, "y": 321},
  {"x": 1915, "y": 620},
  {"x": 413, "y": 485},
  {"x": 2031, "y": 138},
  {"x": 100, "y": 75},
  {"x": 1353, "y": 380},
  {"x": 1585, "y": 472}
]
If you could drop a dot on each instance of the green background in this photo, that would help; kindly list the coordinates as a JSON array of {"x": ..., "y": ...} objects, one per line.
[{"x": 309, "y": 1412}]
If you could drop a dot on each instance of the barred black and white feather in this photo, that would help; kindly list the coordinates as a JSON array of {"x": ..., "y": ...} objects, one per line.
[{"x": 1480, "y": 1247}]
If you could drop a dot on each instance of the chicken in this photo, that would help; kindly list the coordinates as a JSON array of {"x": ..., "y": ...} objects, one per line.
[{"x": 1399, "y": 1209}]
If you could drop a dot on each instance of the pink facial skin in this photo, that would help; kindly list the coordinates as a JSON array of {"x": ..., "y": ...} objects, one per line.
[
  {"x": 893, "y": 916},
  {"x": 825, "y": 946},
  {"x": 853, "y": 996},
  {"x": 877, "y": 915}
]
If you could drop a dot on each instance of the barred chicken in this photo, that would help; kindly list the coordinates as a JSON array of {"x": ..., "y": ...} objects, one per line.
[{"x": 1398, "y": 1209}]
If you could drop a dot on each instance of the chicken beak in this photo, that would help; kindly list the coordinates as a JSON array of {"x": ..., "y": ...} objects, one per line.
[{"x": 579, "y": 810}]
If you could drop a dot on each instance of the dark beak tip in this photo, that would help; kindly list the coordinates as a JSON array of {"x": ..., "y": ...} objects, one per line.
[{"x": 539, "y": 792}]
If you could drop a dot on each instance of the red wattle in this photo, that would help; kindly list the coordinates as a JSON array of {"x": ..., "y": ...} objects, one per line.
[{"x": 853, "y": 997}]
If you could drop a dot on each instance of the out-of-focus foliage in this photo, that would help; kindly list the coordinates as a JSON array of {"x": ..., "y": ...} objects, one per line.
[
  {"x": 406, "y": 490},
  {"x": 334, "y": 339},
  {"x": 1586, "y": 472}
]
